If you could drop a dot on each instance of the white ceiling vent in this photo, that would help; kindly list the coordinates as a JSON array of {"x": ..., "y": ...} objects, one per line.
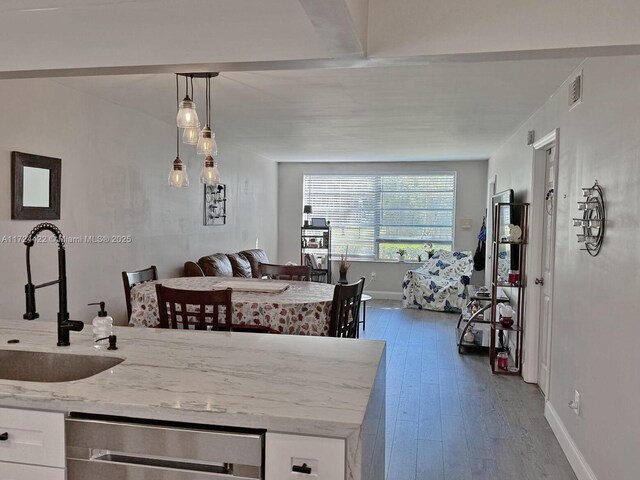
[{"x": 575, "y": 91}]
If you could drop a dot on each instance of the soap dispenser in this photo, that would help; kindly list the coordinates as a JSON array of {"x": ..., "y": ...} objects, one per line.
[{"x": 102, "y": 328}]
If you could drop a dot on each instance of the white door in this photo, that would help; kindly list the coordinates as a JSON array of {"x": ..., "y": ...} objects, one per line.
[{"x": 545, "y": 282}]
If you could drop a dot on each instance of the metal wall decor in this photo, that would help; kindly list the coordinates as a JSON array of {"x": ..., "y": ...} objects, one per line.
[
  {"x": 215, "y": 204},
  {"x": 593, "y": 219}
]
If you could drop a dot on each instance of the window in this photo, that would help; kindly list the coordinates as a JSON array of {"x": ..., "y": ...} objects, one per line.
[{"x": 375, "y": 215}]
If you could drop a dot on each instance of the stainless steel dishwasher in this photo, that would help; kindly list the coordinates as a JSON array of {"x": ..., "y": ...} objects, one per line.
[{"x": 107, "y": 448}]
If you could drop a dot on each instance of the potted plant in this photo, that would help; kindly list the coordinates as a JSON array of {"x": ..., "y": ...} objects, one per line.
[
  {"x": 428, "y": 247},
  {"x": 344, "y": 267},
  {"x": 401, "y": 253}
]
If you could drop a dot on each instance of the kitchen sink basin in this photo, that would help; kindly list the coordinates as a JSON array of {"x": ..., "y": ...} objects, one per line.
[{"x": 28, "y": 366}]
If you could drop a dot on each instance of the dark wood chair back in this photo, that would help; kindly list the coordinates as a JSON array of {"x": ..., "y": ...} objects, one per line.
[
  {"x": 284, "y": 272},
  {"x": 194, "y": 309},
  {"x": 345, "y": 310},
  {"x": 131, "y": 279}
]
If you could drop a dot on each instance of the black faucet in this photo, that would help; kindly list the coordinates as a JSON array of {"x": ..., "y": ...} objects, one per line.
[{"x": 64, "y": 324}]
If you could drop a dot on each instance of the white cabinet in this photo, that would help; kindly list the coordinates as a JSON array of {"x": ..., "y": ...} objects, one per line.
[
  {"x": 325, "y": 457},
  {"x": 31, "y": 440},
  {"x": 18, "y": 471}
]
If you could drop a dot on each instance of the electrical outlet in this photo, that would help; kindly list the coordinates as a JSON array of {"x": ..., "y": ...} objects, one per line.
[
  {"x": 373, "y": 276},
  {"x": 575, "y": 404}
]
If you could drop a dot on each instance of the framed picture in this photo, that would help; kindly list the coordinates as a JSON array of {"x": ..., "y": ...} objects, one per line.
[
  {"x": 318, "y": 222},
  {"x": 35, "y": 187},
  {"x": 215, "y": 204}
]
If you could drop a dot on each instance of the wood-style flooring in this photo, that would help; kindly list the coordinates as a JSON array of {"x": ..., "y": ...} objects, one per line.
[{"x": 448, "y": 417}]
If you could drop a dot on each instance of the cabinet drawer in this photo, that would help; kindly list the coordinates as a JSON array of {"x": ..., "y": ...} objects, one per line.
[
  {"x": 16, "y": 471},
  {"x": 324, "y": 456},
  {"x": 164, "y": 441},
  {"x": 101, "y": 470},
  {"x": 32, "y": 437}
]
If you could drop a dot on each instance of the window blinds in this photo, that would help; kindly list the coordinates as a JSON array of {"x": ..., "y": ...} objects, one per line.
[{"x": 377, "y": 214}]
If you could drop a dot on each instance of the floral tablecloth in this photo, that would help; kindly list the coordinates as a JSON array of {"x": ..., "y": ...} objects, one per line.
[{"x": 303, "y": 309}]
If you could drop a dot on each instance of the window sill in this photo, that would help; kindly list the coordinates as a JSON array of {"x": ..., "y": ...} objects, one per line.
[{"x": 362, "y": 260}]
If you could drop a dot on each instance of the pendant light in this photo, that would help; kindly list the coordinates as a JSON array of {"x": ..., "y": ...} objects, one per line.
[
  {"x": 209, "y": 175},
  {"x": 187, "y": 116},
  {"x": 190, "y": 134},
  {"x": 178, "y": 176},
  {"x": 207, "y": 141}
]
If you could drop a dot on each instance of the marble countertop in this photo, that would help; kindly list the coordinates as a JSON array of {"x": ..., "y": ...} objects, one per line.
[{"x": 285, "y": 383}]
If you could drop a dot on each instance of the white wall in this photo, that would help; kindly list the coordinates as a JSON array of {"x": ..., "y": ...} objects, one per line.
[
  {"x": 594, "y": 347},
  {"x": 115, "y": 164},
  {"x": 470, "y": 201}
]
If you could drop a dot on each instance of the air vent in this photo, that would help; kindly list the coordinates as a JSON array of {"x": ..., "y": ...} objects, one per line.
[{"x": 575, "y": 91}]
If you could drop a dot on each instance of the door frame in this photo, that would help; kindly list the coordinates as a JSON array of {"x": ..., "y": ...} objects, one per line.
[{"x": 534, "y": 261}]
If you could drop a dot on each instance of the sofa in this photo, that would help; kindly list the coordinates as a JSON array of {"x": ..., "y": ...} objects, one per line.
[
  {"x": 440, "y": 284},
  {"x": 242, "y": 264}
]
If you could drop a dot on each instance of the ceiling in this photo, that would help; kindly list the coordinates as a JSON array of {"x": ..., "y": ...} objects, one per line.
[
  {"x": 439, "y": 111},
  {"x": 68, "y": 34},
  {"x": 284, "y": 92}
]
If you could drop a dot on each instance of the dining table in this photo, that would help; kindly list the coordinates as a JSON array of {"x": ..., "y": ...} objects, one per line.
[{"x": 304, "y": 308}]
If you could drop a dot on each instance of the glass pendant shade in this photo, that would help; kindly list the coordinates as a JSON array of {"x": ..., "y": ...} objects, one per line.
[
  {"x": 187, "y": 115},
  {"x": 190, "y": 135},
  {"x": 205, "y": 142},
  {"x": 214, "y": 145},
  {"x": 209, "y": 175},
  {"x": 178, "y": 176}
]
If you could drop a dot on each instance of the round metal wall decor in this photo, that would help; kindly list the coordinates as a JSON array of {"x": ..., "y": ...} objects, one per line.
[{"x": 593, "y": 219}]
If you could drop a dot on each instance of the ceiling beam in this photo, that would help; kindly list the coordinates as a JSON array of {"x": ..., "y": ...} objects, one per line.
[
  {"x": 347, "y": 62},
  {"x": 334, "y": 24}
]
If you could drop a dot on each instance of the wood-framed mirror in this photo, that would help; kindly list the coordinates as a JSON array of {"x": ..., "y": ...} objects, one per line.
[{"x": 35, "y": 187}]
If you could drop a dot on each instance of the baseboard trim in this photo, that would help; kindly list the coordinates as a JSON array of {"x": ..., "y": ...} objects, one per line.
[
  {"x": 580, "y": 466},
  {"x": 381, "y": 295}
]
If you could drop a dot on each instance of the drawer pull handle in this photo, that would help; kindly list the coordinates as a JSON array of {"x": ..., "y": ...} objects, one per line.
[
  {"x": 301, "y": 468},
  {"x": 4, "y": 436}
]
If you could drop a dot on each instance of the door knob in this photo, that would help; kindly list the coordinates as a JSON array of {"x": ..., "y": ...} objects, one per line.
[{"x": 539, "y": 281}]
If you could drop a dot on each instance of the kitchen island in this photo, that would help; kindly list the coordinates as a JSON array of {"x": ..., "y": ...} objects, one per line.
[{"x": 293, "y": 385}]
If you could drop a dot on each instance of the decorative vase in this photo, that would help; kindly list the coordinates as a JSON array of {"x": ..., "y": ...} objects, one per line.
[
  {"x": 343, "y": 278},
  {"x": 401, "y": 258}
]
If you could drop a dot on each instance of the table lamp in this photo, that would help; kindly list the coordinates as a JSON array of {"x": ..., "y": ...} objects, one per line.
[{"x": 307, "y": 210}]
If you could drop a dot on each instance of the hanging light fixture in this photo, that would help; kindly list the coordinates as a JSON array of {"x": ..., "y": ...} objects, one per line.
[
  {"x": 187, "y": 116},
  {"x": 178, "y": 176},
  {"x": 207, "y": 141},
  {"x": 209, "y": 175},
  {"x": 190, "y": 134}
]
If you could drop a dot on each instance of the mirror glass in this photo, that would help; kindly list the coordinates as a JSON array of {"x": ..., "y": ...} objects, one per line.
[{"x": 35, "y": 187}]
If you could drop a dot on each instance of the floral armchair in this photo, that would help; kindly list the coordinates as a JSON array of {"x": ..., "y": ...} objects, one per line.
[{"x": 440, "y": 283}]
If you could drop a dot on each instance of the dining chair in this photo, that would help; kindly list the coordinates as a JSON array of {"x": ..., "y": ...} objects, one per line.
[
  {"x": 284, "y": 272},
  {"x": 345, "y": 310},
  {"x": 199, "y": 309},
  {"x": 131, "y": 279}
]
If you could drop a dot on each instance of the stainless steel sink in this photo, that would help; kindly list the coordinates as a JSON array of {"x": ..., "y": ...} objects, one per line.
[{"x": 28, "y": 366}]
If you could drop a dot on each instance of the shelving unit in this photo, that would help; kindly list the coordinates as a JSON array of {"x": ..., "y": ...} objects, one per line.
[
  {"x": 513, "y": 253},
  {"x": 468, "y": 320},
  {"x": 315, "y": 251}
]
